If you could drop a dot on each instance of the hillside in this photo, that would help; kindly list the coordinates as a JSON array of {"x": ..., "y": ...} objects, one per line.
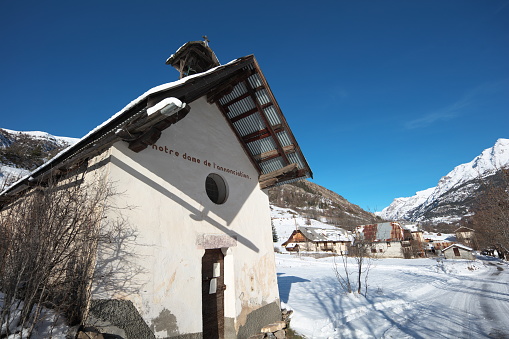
[
  {"x": 316, "y": 202},
  {"x": 21, "y": 152}
]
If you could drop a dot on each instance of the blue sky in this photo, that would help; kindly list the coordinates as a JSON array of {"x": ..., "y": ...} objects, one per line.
[{"x": 384, "y": 97}]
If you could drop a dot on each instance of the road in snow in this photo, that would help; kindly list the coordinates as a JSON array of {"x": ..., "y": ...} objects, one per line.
[{"x": 407, "y": 298}]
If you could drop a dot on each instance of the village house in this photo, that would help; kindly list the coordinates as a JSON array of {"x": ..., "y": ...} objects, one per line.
[
  {"x": 466, "y": 236},
  {"x": 458, "y": 251},
  {"x": 194, "y": 158},
  {"x": 386, "y": 240},
  {"x": 436, "y": 242},
  {"x": 315, "y": 239},
  {"x": 392, "y": 240}
]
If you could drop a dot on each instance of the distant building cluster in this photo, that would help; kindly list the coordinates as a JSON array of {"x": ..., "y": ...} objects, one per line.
[{"x": 384, "y": 240}]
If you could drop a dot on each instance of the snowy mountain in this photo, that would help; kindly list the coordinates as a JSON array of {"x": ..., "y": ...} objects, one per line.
[
  {"x": 21, "y": 152},
  {"x": 455, "y": 193},
  {"x": 401, "y": 207}
]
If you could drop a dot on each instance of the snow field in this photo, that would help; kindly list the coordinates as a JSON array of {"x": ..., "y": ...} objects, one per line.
[{"x": 406, "y": 298}]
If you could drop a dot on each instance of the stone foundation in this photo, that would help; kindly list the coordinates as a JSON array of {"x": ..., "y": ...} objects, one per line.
[{"x": 275, "y": 330}]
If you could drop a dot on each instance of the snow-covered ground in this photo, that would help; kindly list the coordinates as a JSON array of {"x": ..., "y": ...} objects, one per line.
[
  {"x": 406, "y": 298},
  {"x": 51, "y": 324}
]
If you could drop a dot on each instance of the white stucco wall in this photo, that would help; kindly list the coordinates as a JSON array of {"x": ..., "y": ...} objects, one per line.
[
  {"x": 173, "y": 219},
  {"x": 464, "y": 254},
  {"x": 387, "y": 251},
  {"x": 340, "y": 247}
]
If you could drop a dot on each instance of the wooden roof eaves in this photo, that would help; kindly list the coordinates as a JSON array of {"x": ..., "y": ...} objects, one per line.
[
  {"x": 268, "y": 125},
  {"x": 268, "y": 131},
  {"x": 282, "y": 117},
  {"x": 239, "y": 138}
]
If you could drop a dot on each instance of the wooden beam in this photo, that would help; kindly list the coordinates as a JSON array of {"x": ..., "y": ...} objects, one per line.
[
  {"x": 241, "y": 116},
  {"x": 267, "y": 123},
  {"x": 268, "y": 183},
  {"x": 237, "y": 99},
  {"x": 274, "y": 153},
  {"x": 251, "y": 111},
  {"x": 261, "y": 134},
  {"x": 278, "y": 173},
  {"x": 293, "y": 175},
  {"x": 153, "y": 133},
  {"x": 285, "y": 177},
  {"x": 254, "y": 134},
  {"x": 240, "y": 97},
  {"x": 226, "y": 88},
  {"x": 147, "y": 138},
  {"x": 244, "y": 146}
]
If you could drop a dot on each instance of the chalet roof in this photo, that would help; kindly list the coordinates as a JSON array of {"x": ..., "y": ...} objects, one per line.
[
  {"x": 463, "y": 247},
  {"x": 384, "y": 231},
  {"x": 439, "y": 237},
  {"x": 410, "y": 227},
  {"x": 320, "y": 234},
  {"x": 464, "y": 229},
  {"x": 242, "y": 94}
]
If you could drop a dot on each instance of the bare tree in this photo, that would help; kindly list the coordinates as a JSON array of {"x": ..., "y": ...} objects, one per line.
[
  {"x": 343, "y": 273},
  {"x": 491, "y": 215},
  {"x": 361, "y": 251},
  {"x": 48, "y": 246},
  {"x": 355, "y": 277}
]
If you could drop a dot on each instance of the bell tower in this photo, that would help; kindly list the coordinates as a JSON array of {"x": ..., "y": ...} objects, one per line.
[{"x": 193, "y": 57}]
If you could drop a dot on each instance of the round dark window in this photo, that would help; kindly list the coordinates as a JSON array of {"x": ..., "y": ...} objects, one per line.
[{"x": 216, "y": 188}]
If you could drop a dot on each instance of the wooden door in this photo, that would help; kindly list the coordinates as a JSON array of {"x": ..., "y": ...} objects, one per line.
[
  {"x": 456, "y": 251},
  {"x": 213, "y": 294}
]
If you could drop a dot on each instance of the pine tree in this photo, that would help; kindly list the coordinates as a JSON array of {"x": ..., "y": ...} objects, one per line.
[{"x": 275, "y": 238}]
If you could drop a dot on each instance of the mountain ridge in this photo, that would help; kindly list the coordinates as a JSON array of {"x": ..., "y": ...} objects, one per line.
[
  {"x": 453, "y": 197},
  {"x": 23, "y": 151}
]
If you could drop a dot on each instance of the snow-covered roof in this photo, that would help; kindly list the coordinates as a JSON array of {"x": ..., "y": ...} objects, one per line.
[
  {"x": 464, "y": 229},
  {"x": 266, "y": 121},
  {"x": 410, "y": 227},
  {"x": 384, "y": 231},
  {"x": 320, "y": 234},
  {"x": 466, "y": 248},
  {"x": 439, "y": 236},
  {"x": 100, "y": 129}
]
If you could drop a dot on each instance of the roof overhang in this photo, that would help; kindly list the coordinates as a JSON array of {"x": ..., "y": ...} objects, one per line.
[
  {"x": 240, "y": 92},
  {"x": 253, "y": 113}
]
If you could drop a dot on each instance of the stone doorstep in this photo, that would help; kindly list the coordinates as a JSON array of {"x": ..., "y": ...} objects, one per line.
[
  {"x": 106, "y": 328},
  {"x": 278, "y": 325},
  {"x": 89, "y": 332},
  {"x": 275, "y": 330}
]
